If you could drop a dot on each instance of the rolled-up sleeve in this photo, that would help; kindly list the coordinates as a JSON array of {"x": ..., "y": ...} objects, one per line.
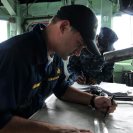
[
  {"x": 4, "y": 118},
  {"x": 61, "y": 87}
]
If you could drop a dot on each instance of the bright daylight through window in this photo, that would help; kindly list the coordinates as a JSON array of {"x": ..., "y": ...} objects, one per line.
[
  {"x": 3, "y": 30},
  {"x": 123, "y": 26}
]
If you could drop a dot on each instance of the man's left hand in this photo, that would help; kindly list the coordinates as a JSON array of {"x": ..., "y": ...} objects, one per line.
[{"x": 103, "y": 104}]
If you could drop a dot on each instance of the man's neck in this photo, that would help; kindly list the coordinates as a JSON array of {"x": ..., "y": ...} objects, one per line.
[{"x": 50, "y": 53}]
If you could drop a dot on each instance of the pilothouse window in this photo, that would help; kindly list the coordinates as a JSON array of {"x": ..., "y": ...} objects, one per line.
[
  {"x": 123, "y": 26},
  {"x": 3, "y": 30}
]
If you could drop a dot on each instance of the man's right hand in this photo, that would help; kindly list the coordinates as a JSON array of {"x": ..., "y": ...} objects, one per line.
[
  {"x": 68, "y": 129},
  {"x": 21, "y": 125}
]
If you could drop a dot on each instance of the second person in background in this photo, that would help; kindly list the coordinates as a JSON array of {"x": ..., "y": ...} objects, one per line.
[{"x": 89, "y": 68}]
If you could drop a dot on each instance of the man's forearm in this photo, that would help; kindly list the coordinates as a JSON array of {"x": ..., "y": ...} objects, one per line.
[
  {"x": 77, "y": 96},
  {"x": 21, "y": 125}
]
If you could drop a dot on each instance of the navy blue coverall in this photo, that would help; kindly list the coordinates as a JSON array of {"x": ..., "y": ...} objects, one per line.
[{"x": 25, "y": 79}]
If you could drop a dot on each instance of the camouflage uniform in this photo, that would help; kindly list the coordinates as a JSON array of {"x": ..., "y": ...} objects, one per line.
[{"x": 91, "y": 66}]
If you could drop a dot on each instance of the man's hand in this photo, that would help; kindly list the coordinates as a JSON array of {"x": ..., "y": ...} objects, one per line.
[
  {"x": 91, "y": 81},
  {"x": 103, "y": 103},
  {"x": 68, "y": 129},
  {"x": 81, "y": 80},
  {"x": 21, "y": 125},
  {"x": 113, "y": 107}
]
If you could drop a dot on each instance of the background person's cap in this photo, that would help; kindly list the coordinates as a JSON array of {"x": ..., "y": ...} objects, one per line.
[
  {"x": 106, "y": 38},
  {"x": 83, "y": 20},
  {"x": 108, "y": 34}
]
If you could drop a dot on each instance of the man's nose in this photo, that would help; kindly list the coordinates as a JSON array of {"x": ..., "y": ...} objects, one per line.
[{"x": 77, "y": 52}]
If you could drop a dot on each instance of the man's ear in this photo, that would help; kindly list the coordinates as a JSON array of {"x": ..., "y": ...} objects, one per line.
[{"x": 65, "y": 25}]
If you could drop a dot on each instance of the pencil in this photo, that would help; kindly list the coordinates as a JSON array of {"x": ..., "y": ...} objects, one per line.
[{"x": 106, "y": 113}]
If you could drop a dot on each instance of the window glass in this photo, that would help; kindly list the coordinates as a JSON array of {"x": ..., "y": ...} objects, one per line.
[
  {"x": 99, "y": 23},
  {"x": 3, "y": 30},
  {"x": 123, "y": 26}
]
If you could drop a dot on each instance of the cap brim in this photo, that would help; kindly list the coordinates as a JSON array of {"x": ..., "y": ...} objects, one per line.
[{"x": 92, "y": 47}]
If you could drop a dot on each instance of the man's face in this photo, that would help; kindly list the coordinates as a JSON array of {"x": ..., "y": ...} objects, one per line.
[
  {"x": 72, "y": 43},
  {"x": 105, "y": 46}
]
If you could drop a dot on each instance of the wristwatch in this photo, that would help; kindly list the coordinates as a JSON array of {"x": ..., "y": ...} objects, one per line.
[{"x": 92, "y": 103}]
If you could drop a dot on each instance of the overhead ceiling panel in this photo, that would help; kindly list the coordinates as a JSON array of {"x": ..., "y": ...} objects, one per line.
[{"x": 36, "y": 1}]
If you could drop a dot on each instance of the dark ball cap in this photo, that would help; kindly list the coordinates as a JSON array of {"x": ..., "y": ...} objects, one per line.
[
  {"x": 83, "y": 20},
  {"x": 108, "y": 34}
]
